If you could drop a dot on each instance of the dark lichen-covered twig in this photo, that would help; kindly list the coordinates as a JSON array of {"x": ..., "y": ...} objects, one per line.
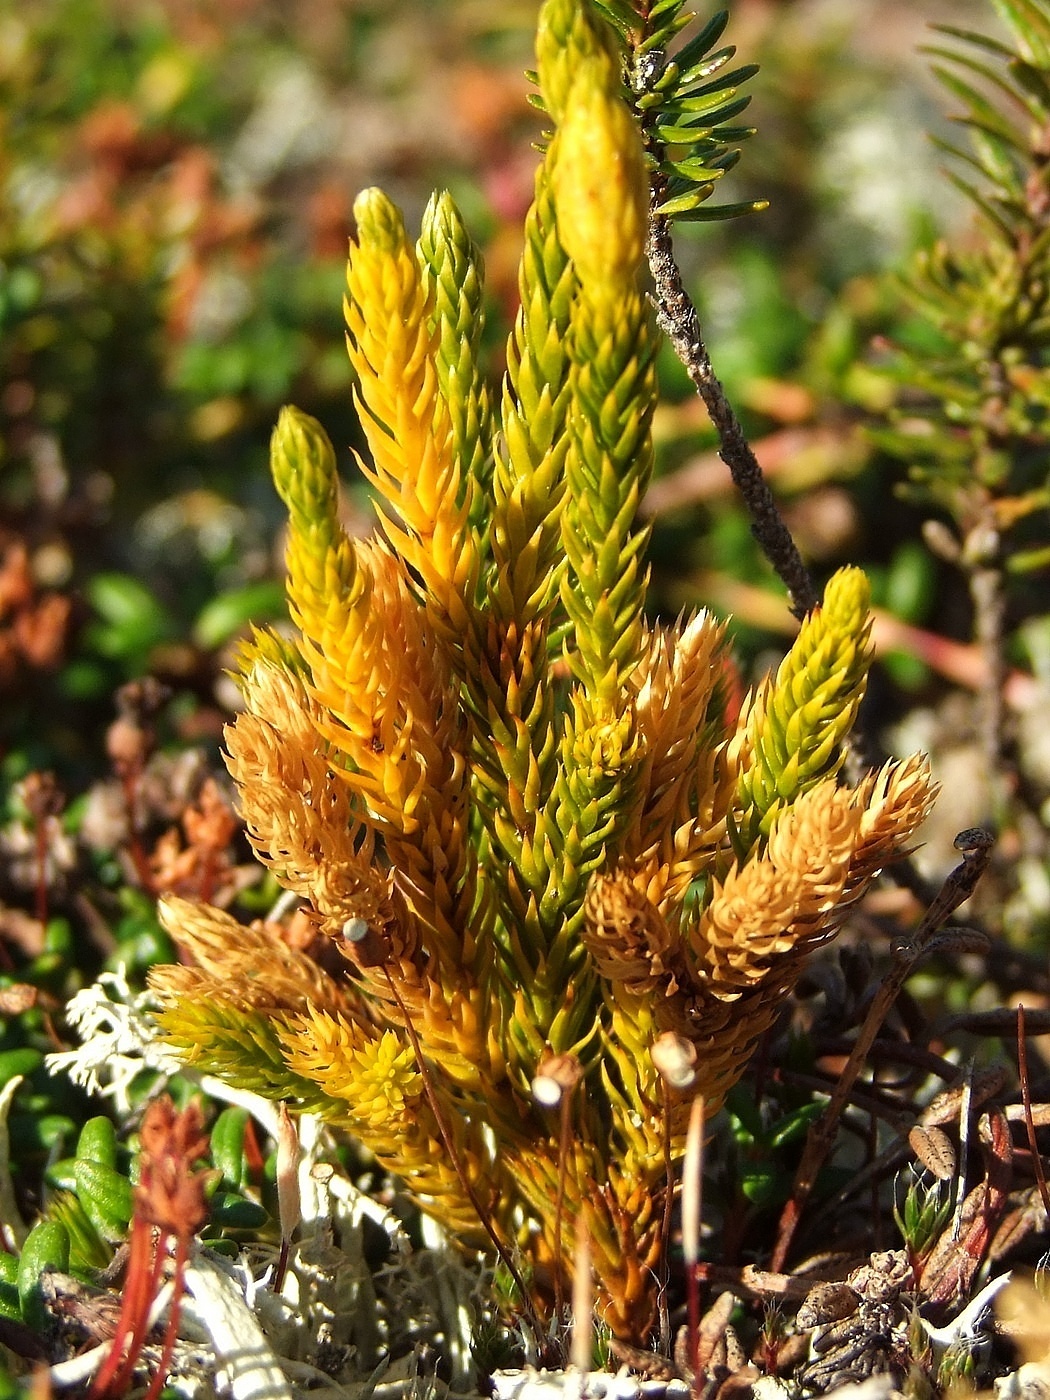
[{"x": 678, "y": 319}]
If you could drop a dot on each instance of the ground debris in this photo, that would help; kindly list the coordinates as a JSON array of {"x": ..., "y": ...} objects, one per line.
[{"x": 859, "y": 1327}]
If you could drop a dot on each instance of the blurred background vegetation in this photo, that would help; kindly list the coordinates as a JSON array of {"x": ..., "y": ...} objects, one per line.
[{"x": 177, "y": 181}]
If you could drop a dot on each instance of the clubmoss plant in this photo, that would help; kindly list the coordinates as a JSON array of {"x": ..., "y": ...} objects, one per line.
[{"x": 536, "y": 836}]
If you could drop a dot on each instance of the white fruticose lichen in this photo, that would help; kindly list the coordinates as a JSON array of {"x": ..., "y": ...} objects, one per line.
[
  {"x": 119, "y": 1040},
  {"x": 571, "y": 1384},
  {"x": 216, "y": 1305},
  {"x": 13, "y": 1230}
]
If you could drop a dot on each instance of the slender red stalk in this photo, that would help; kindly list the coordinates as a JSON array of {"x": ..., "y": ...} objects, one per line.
[
  {"x": 114, "y": 1375},
  {"x": 564, "y": 1129},
  {"x": 505, "y": 1256},
  {"x": 665, "y": 1226},
  {"x": 692, "y": 1204},
  {"x": 1026, "y": 1099},
  {"x": 171, "y": 1332},
  {"x": 169, "y": 1209}
]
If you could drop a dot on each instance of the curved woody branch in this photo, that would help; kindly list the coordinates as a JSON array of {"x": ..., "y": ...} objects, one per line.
[{"x": 677, "y": 317}]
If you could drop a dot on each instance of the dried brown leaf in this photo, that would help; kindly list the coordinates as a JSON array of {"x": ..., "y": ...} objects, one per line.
[
  {"x": 935, "y": 1150},
  {"x": 16, "y": 998},
  {"x": 712, "y": 1328},
  {"x": 955, "y": 1259}
]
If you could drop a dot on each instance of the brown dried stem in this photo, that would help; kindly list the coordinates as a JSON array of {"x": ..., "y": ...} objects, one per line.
[
  {"x": 504, "y": 1254},
  {"x": 692, "y": 1205},
  {"x": 976, "y": 846},
  {"x": 1026, "y": 1099},
  {"x": 677, "y": 317}
]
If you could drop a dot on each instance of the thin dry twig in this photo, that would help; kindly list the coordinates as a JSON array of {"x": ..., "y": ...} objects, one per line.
[
  {"x": 503, "y": 1252},
  {"x": 692, "y": 1206},
  {"x": 949, "y": 1105},
  {"x": 1026, "y": 1100},
  {"x": 677, "y": 318},
  {"x": 976, "y": 846}
]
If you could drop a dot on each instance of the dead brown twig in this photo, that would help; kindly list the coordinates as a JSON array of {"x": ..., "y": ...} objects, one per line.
[
  {"x": 1026, "y": 1100},
  {"x": 677, "y": 318},
  {"x": 975, "y": 845}
]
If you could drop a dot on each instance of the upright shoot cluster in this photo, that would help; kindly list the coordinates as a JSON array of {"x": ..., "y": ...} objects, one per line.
[
  {"x": 972, "y": 376},
  {"x": 535, "y": 836}
]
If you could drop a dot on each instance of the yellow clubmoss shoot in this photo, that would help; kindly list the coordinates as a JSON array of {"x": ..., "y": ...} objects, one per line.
[{"x": 587, "y": 860}]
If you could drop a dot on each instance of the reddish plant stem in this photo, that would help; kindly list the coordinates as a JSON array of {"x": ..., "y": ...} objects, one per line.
[
  {"x": 145, "y": 1265},
  {"x": 564, "y": 1130},
  {"x": 1026, "y": 1100},
  {"x": 171, "y": 1332},
  {"x": 692, "y": 1207},
  {"x": 501, "y": 1249}
]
